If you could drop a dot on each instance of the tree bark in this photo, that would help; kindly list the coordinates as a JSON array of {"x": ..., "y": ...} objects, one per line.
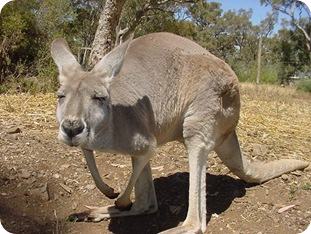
[
  {"x": 108, "y": 21},
  {"x": 259, "y": 60}
]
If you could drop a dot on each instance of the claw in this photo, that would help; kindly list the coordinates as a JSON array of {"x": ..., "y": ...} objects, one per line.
[
  {"x": 91, "y": 207},
  {"x": 108, "y": 191},
  {"x": 112, "y": 194}
]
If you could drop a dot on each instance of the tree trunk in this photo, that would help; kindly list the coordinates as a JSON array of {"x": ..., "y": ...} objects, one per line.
[
  {"x": 259, "y": 60},
  {"x": 108, "y": 21}
]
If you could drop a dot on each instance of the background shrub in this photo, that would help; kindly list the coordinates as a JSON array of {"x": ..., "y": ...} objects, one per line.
[{"x": 305, "y": 85}]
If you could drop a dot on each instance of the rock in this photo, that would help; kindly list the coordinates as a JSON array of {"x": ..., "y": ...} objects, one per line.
[
  {"x": 285, "y": 177},
  {"x": 14, "y": 130},
  {"x": 24, "y": 173},
  {"x": 56, "y": 176},
  {"x": 90, "y": 186}
]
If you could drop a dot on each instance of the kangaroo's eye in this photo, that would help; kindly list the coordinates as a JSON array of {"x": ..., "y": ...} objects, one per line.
[
  {"x": 99, "y": 97},
  {"x": 60, "y": 95}
]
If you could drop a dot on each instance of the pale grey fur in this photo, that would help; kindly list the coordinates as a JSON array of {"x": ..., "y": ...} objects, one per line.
[{"x": 146, "y": 92}]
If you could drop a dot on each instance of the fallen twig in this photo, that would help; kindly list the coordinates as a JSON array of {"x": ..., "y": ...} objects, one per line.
[{"x": 283, "y": 209}]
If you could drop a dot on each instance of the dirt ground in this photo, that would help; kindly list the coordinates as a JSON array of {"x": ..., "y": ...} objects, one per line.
[{"x": 42, "y": 181}]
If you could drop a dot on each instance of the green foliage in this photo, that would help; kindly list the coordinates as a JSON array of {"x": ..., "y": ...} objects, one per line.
[
  {"x": 306, "y": 186},
  {"x": 245, "y": 73},
  {"x": 19, "y": 37},
  {"x": 212, "y": 28},
  {"x": 305, "y": 85},
  {"x": 248, "y": 73},
  {"x": 292, "y": 55},
  {"x": 27, "y": 28},
  {"x": 293, "y": 189},
  {"x": 269, "y": 75}
]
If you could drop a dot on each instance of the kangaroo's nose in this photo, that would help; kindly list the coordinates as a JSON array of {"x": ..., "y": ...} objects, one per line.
[{"x": 72, "y": 128}]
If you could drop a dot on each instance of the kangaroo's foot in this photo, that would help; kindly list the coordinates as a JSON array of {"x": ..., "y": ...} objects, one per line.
[
  {"x": 182, "y": 230},
  {"x": 96, "y": 214},
  {"x": 145, "y": 201}
]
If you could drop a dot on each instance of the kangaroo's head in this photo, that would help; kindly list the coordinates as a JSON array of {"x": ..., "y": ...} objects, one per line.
[{"x": 84, "y": 105}]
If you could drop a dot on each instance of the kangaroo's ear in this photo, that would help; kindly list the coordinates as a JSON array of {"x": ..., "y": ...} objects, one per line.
[
  {"x": 110, "y": 65},
  {"x": 63, "y": 57}
]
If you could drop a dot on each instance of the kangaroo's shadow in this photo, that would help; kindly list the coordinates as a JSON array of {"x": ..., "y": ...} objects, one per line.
[{"x": 172, "y": 196}]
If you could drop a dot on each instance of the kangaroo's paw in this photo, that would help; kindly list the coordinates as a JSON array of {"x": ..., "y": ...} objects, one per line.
[
  {"x": 96, "y": 214},
  {"x": 182, "y": 230}
]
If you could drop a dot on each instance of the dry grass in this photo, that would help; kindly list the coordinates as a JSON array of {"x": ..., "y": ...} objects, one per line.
[
  {"x": 36, "y": 112},
  {"x": 267, "y": 92},
  {"x": 276, "y": 117}
]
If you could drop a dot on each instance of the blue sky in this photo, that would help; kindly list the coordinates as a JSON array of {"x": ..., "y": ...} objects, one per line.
[{"x": 259, "y": 12}]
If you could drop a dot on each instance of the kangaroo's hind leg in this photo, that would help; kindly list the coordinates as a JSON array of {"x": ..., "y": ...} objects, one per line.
[{"x": 195, "y": 221}]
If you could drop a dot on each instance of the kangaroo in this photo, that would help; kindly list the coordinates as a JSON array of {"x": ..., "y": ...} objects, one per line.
[{"x": 144, "y": 93}]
